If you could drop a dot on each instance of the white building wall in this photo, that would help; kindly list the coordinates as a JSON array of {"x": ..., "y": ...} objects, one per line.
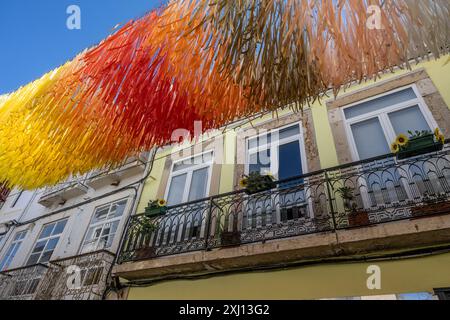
[{"x": 28, "y": 210}]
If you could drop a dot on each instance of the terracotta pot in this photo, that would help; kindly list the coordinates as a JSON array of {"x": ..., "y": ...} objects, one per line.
[
  {"x": 431, "y": 208},
  {"x": 230, "y": 238},
  {"x": 145, "y": 253},
  {"x": 357, "y": 219}
]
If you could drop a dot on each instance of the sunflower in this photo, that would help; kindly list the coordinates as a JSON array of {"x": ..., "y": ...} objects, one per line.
[
  {"x": 437, "y": 133},
  {"x": 162, "y": 202},
  {"x": 441, "y": 138},
  {"x": 394, "y": 147},
  {"x": 243, "y": 183},
  {"x": 401, "y": 140}
]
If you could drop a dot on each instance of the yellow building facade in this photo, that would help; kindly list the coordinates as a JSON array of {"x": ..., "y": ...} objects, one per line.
[{"x": 411, "y": 253}]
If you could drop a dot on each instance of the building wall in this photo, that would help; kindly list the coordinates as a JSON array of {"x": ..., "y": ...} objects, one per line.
[
  {"x": 34, "y": 216},
  {"x": 323, "y": 135},
  {"x": 319, "y": 281},
  {"x": 324, "y": 281}
]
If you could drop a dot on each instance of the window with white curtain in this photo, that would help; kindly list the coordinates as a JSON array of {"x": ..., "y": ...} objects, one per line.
[
  {"x": 12, "y": 250},
  {"x": 189, "y": 179},
  {"x": 373, "y": 124},
  {"x": 103, "y": 227}
]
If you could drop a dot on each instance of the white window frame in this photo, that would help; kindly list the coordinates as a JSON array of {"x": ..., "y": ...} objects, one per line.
[
  {"x": 189, "y": 172},
  {"x": 274, "y": 157},
  {"x": 273, "y": 146},
  {"x": 383, "y": 116},
  {"x": 15, "y": 242},
  {"x": 102, "y": 224},
  {"x": 47, "y": 239}
]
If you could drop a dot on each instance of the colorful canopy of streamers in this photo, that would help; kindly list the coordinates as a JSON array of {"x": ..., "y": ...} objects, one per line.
[{"x": 203, "y": 60}]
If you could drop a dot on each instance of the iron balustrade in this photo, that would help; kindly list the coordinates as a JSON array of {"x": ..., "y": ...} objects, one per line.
[
  {"x": 22, "y": 283},
  {"x": 82, "y": 277},
  {"x": 383, "y": 189}
]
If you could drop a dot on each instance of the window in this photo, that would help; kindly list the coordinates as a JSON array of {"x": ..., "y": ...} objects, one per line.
[
  {"x": 12, "y": 250},
  {"x": 47, "y": 241},
  {"x": 373, "y": 124},
  {"x": 189, "y": 180},
  {"x": 279, "y": 152},
  {"x": 103, "y": 227}
]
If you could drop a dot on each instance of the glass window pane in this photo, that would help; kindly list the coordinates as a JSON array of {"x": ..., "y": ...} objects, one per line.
[
  {"x": 290, "y": 163},
  {"x": 197, "y": 160},
  {"x": 33, "y": 259},
  {"x": 289, "y": 132},
  {"x": 39, "y": 247},
  {"x": 259, "y": 162},
  {"x": 198, "y": 184},
  {"x": 408, "y": 119},
  {"x": 369, "y": 139},
  {"x": 259, "y": 141},
  {"x": 100, "y": 214},
  {"x": 117, "y": 209},
  {"x": 10, "y": 254},
  {"x": 177, "y": 189},
  {"x": 47, "y": 231},
  {"x": 46, "y": 256},
  {"x": 20, "y": 235},
  {"x": 59, "y": 227},
  {"x": 51, "y": 244},
  {"x": 379, "y": 103}
]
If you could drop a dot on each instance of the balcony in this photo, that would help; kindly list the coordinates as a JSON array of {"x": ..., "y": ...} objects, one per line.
[
  {"x": 102, "y": 178},
  {"x": 22, "y": 283},
  {"x": 83, "y": 277},
  {"x": 63, "y": 192},
  {"x": 385, "y": 191}
]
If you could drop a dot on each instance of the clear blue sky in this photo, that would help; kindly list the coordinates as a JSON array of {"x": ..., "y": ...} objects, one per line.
[{"x": 34, "y": 38}]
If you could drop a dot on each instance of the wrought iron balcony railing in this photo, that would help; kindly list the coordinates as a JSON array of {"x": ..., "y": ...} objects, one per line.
[
  {"x": 377, "y": 190},
  {"x": 22, "y": 283},
  {"x": 82, "y": 277}
]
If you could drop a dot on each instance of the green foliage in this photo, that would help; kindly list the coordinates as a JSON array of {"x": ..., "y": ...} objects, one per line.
[{"x": 418, "y": 134}]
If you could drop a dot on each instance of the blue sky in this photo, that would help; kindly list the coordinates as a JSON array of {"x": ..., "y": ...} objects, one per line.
[{"x": 34, "y": 38}]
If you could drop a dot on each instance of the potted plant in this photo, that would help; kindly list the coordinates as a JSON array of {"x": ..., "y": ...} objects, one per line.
[
  {"x": 355, "y": 217},
  {"x": 432, "y": 205},
  {"x": 256, "y": 182},
  {"x": 156, "y": 208},
  {"x": 419, "y": 142},
  {"x": 145, "y": 228}
]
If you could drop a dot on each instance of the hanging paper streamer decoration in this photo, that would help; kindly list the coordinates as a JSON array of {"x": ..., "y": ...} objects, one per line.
[{"x": 203, "y": 60}]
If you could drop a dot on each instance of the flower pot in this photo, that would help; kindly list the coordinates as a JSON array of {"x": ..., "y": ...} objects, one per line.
[
  {"x": 145, "y": 253},
  {"x": 357, "y": 219},
  {"x": 430, "y": 209},
  {"x": 155, "y": 212},
  {"x": 230, "y": 238},
  {"x": 419, "y": 146}
]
